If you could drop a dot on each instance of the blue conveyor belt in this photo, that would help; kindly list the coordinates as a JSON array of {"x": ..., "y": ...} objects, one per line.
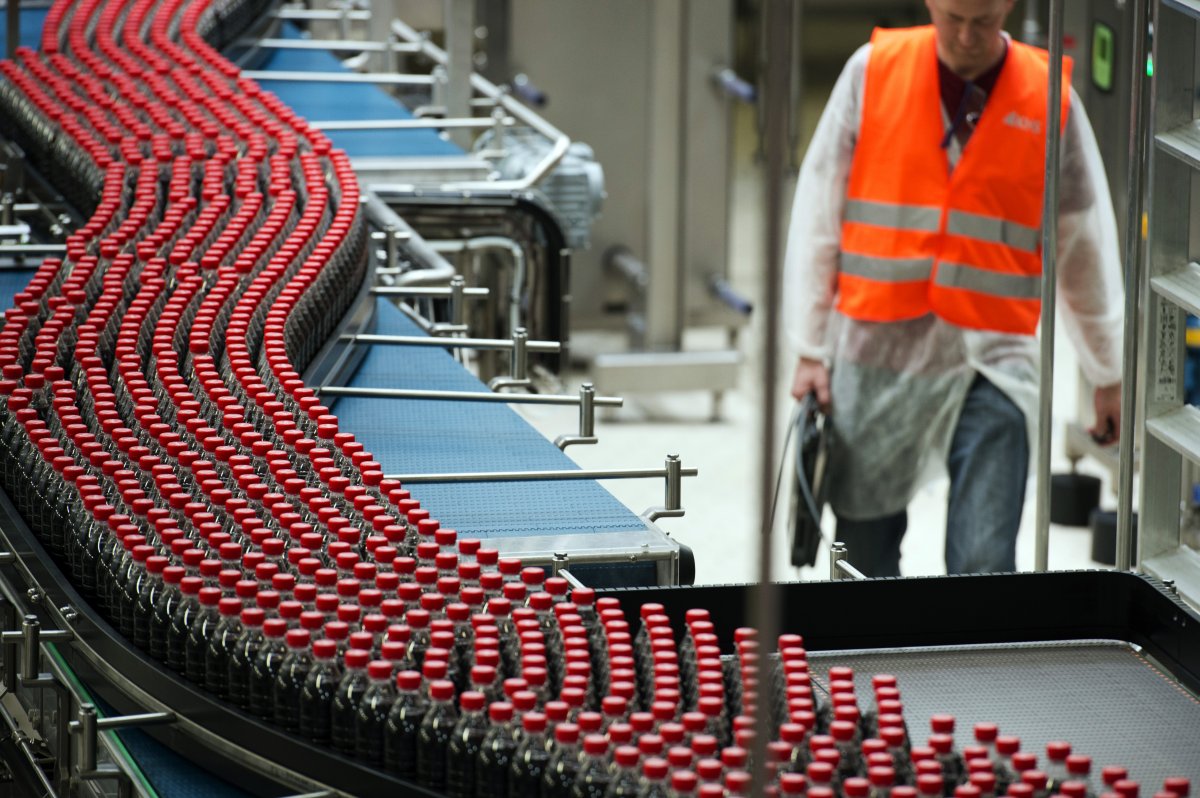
[
  {"x": 169, "y": 773},
  {"x": 12, "y": 281},
  {"x": 349, "y": 101},
  {"x": 419, "y": 436},
  {"x": 32, "y": 20}
]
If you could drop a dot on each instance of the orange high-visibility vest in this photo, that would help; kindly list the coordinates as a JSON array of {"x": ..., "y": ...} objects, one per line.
[{"x": 918, "y": 238}]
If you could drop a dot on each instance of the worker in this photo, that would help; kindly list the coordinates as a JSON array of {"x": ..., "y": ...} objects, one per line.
[{"x": 913, "y": 279}]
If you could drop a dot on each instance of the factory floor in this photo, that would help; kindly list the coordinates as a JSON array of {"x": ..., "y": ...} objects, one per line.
[{"x": 723, "y": 503}]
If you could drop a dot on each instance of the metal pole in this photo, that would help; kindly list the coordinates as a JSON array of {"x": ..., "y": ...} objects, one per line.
[
  {"x": 13, "y": 20},
  {"x": 1049, "y": 270},
  {"x": 460, "y": 63},
  {"x": 509, "y": 344},
  {"x": 31, "y": 652},
  {"x": 776, "y": 98},
  {"x": 1138, "y": 126},
  {"x": 87, "y": 737},
  {"x": 539, "y": 476},
  {"x": 465, "y": 396}
]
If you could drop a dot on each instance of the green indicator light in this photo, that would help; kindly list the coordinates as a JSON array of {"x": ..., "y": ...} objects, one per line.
[
  {"x": 1103, "y": 56},
  {"x": 1149, "y": 66}
]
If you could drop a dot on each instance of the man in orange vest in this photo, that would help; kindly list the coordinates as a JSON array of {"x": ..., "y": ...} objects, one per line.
[{"x": 913, "y": 279}]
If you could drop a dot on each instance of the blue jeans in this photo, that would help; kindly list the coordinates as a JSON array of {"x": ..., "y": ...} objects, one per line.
[{"x": 988, "y": 464}]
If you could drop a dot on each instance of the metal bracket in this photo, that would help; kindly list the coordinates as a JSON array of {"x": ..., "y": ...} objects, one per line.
[
  {"x": 391, "y": 236},
  {"x": 449, "y": 343},
  {"x": 333, "y": 45},
  {"x": 463, "y": 396},
  {"x": 518, "y": 363},
  {"x": 88, "y": 726},
  {"x": 587, "y": 419},
  {"x": 321, "y": 14},
  {"x": 560, "y": 566},
  {"x": 29, "y": 638},
  {"x": 839, "y": 564},
  {"x": 371, "y": 78},
  {"x": 672, "y": 506},
  {"x": 455, "y": 293},
  {"x": 442, "y": 123},
  {"x": 672, "y": 474}
]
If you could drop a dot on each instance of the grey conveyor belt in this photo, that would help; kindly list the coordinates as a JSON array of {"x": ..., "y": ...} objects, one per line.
[{"x": 1102, "y": 696}]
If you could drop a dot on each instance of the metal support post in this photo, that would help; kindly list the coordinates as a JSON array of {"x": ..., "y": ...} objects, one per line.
[
  {"x": 587, "y": 419},
  {"x": 777, "y": 78},
  {"x": 458, "y": 290},
  {"x": 459, "y": 22},
  {"x": 29, "y": 638},
  {"x": 518, "y": 364},
  {"x": 1049, "y": 296},
  {"x": 1138, "y": 127},
  {"x": 839, "y": 564},
  {"x": 89, "y": 725},
  {"x": 391, "y": 247},
  {"x": 13, "y": 21},
  {"x": 837, "y": 553},
  {"x": 672, "y": 506},
  {"x": 31, "y": 651}
]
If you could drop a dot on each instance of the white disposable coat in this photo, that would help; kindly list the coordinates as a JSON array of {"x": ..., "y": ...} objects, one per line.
[{"x": 898, "y": 387}]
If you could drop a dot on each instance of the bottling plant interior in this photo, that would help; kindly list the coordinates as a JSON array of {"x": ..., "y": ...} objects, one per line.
[{"x": 404, "y": 398}]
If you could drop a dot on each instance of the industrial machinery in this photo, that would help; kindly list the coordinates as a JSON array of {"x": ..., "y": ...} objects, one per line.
[{"x": 210, "y": 585}]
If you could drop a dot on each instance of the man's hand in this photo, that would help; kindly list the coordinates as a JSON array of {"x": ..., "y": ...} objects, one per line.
[
  {"x": 812, "y": 376},
  {"x": 1107, "y": 428}
]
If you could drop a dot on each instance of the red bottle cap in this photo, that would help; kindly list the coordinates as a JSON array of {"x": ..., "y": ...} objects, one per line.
[
  {"x": 855, "y": 787},
  {"x": 595, "y": 744},
  {"x": 1180, "y": 785},
  {"x": 929, "y": 784},
  {"x": 1058, "y": 751}
]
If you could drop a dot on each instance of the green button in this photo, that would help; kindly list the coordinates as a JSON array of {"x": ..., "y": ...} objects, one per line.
[{"x": 1103, "y": 56}]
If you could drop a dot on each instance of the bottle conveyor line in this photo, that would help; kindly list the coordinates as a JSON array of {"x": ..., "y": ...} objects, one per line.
[{"x": 188, "y": 532}]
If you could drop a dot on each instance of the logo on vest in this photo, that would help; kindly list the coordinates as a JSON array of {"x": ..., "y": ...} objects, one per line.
[{"x": 1023, "y": 122}]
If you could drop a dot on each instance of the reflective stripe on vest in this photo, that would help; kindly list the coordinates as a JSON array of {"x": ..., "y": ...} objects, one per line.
[
  {"x": 887, "y": 270},
  {"x": 920, "y": 237},
  {"x": 972, "y": 278},
  {"x": 994, "y": 231},
  {"x": 900, "y": 217}
]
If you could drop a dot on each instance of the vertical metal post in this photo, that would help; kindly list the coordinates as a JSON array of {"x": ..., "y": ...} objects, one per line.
[
  {"x": 587, "y": 411},
  {"x": 460, "y": 50},
  {"x": 674, "y": 494},
  {"x": 776, "y": 94},
  {"x": 31, "y": 661},
  {"x": 458, "y": 308},
  {"x": 665, "y": 195},
  {"x": 87, "y": 738},
  {"x": 519, "y": 359},
  {"x": 1138, "y": 128},
  {"x": 1049, "y": 286},
  {"x": 13, "y": 20},
  {"x": 837, "y": 553},
  {"x": 391, "y": 247}
]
